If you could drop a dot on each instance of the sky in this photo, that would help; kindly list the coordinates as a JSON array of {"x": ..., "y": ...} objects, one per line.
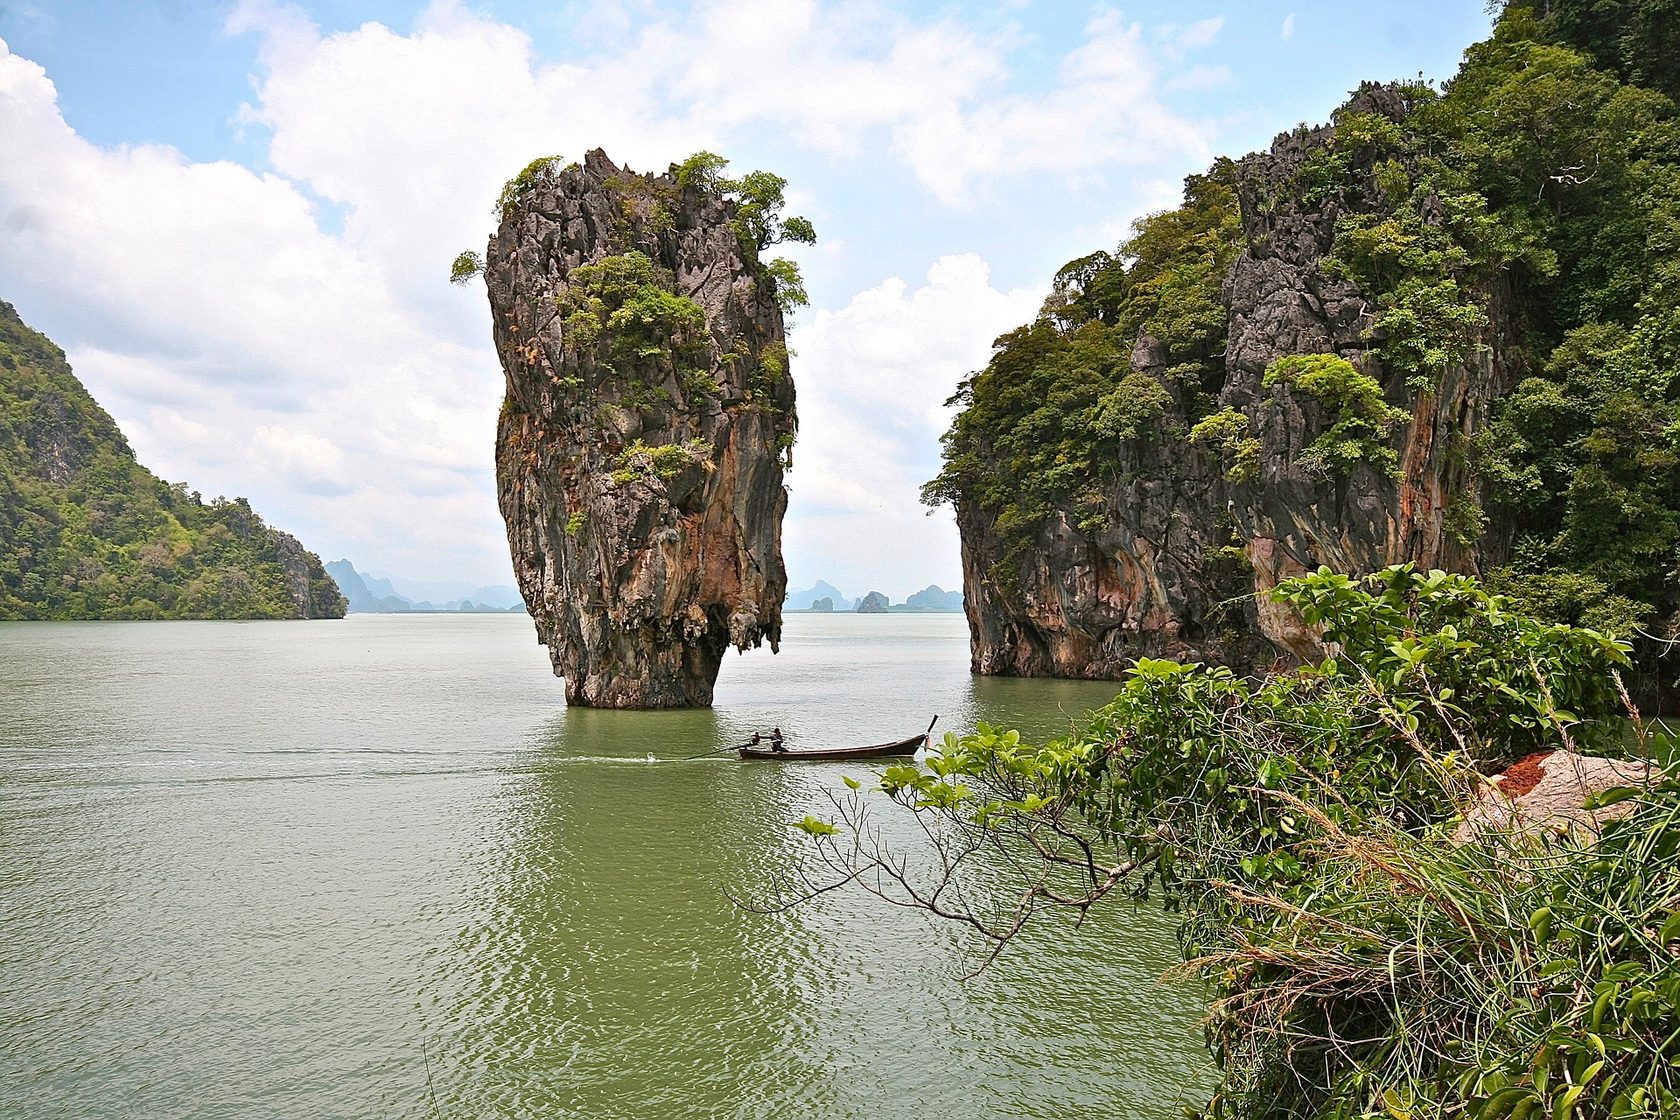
[{"x": 238, "y": 218}]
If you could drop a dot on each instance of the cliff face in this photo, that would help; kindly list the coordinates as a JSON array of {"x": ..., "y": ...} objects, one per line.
[
  {"x": 86, "y": 532},
  {"x": 642, "y": 441},
  {"x": 1164, "y": 555}
]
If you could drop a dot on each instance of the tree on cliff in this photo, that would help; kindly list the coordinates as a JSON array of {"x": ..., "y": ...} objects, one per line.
[{"x": 759, "y": 198}]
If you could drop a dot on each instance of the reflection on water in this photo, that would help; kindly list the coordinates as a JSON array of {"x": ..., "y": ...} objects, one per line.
[{"x": 375, "y": 868}]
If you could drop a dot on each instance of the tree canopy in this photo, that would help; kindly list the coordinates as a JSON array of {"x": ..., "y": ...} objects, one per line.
[{"x": 87, "y": 532}]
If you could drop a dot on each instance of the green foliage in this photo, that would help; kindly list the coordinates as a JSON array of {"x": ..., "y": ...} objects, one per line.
[
  {"x": 789, "y": 285},
  {"x": 1048, "y": 417},
  {"x": 702, "y": 171},
  {"x": 623, "y": 309},
  {"x": 1586, "y": 459},
  {"x": 774, "y": 361},
  {"x": 758, "y": 210},
  {"x": 759, "y": 197},
  {"x": 87, "y": 532},
  {"x": 1361, "y": 421},
  {"x": 1633, "y": 39},
  {"x": 1362, "y": 964},
  {"x": 516, "y": 188},
  {"x": 664, "y": 462},
  {"x": 1226, "y": 431},
  {"x": 1464, "y": 520},
  {"x": 1570, "y": 597},
  {"x": 465, "y": 266},
  {"x": 1510, "y": 682},
  {"x": 1134, "y": 406},
  {"x": 577, "y": 523}
]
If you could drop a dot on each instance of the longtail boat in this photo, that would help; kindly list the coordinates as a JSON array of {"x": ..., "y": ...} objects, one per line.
[{"x": 829, "y": 754}]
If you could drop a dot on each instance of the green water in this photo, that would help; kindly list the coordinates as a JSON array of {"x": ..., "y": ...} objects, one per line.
[{"x": 375, "y": 868}]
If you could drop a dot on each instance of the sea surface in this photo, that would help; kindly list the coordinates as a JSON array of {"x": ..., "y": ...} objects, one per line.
[{"x": 375, "y": 868}]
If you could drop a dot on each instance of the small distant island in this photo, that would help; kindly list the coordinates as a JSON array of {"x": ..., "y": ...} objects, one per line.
[{"x": 824, "y": 598}]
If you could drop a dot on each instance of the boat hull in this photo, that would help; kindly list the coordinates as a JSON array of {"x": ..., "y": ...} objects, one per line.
[{"x": 835, "y": 754}]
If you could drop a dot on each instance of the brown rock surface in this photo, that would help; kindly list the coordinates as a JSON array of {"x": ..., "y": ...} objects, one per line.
[
  {"x": 642, "y": 441},
  {"x": 1546, "y": 792}
]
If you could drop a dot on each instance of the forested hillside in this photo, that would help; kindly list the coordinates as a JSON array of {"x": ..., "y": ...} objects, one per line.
[
  {"x": 1444, "y": 328},
  {"x": 87, "y": 532}
]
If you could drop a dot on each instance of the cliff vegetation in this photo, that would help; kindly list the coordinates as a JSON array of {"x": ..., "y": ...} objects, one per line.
[
  {"x": 1444, "y": 328},
  {"x": 86, "y": 532}
]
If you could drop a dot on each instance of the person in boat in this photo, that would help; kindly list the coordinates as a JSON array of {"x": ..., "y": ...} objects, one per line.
[
  {"x": 776, "y": 741},
  {"x": 756, "y": 740}
]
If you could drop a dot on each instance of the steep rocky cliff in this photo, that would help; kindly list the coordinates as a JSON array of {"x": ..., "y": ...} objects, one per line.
[
  {"x": 1165, "y": 555},
  {"x": 1336, "y": 353},
  {"x": 648, "y": 419},
  {"x": 86, "y": 532}
]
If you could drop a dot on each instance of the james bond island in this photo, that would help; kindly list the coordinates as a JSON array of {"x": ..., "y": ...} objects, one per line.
[{"x": 648, "y": 421}]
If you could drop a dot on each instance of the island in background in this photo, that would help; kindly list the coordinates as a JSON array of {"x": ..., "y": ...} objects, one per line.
[
  {"x": 371, "y": 594},
  {"x": 824, "y": 598}
]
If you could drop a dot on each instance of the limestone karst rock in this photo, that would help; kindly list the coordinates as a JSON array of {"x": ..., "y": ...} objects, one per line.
[
  {"x": 1167, "y": 557},
  {"x": 873, "y": 603},
  {"x": 87, "y": 532},
  {"x": 648, "y": 419}
]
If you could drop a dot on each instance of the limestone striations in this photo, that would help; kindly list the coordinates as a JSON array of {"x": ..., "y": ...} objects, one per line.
[
  {"x": 648, "y": 418},
  {"x": 1216, "y": 486}
]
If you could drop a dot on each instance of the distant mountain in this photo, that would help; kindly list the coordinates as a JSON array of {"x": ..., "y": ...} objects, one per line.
[
  {"x": 447, "y": 592},
  {"x": 87, "y": 532},
  {"x": 380, "y": 588},
  {"x": 873, "y": 603},
  {"x": 362, "y": 597},
  {"x": 825, "y": 605},
  {"x": 933, "y": 598},
  {"x": 376, "y": 595},
  {"x": 806, "y": 599}
]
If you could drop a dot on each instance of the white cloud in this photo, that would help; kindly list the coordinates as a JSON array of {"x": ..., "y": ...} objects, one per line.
[
  {"x": 873, "y": 378},
  {"x": 285, "y": 334},
  {"x": 431, "y": 121},
  {"x": 209, "y": 311},
  {"x": 1288, "y": 29},
  {"x": 1198, "y": 34}
]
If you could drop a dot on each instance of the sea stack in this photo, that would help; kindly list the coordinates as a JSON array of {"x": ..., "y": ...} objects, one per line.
[{"x": 648, "y": 418}]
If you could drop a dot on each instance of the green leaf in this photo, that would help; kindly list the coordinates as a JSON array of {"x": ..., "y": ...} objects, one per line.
[
  {"x": 811, "y": 826},
  {"x": 1611, "y": 796}
]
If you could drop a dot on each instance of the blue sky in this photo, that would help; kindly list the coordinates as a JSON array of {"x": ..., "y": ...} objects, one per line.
[{"x": 237, "y": 218}]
